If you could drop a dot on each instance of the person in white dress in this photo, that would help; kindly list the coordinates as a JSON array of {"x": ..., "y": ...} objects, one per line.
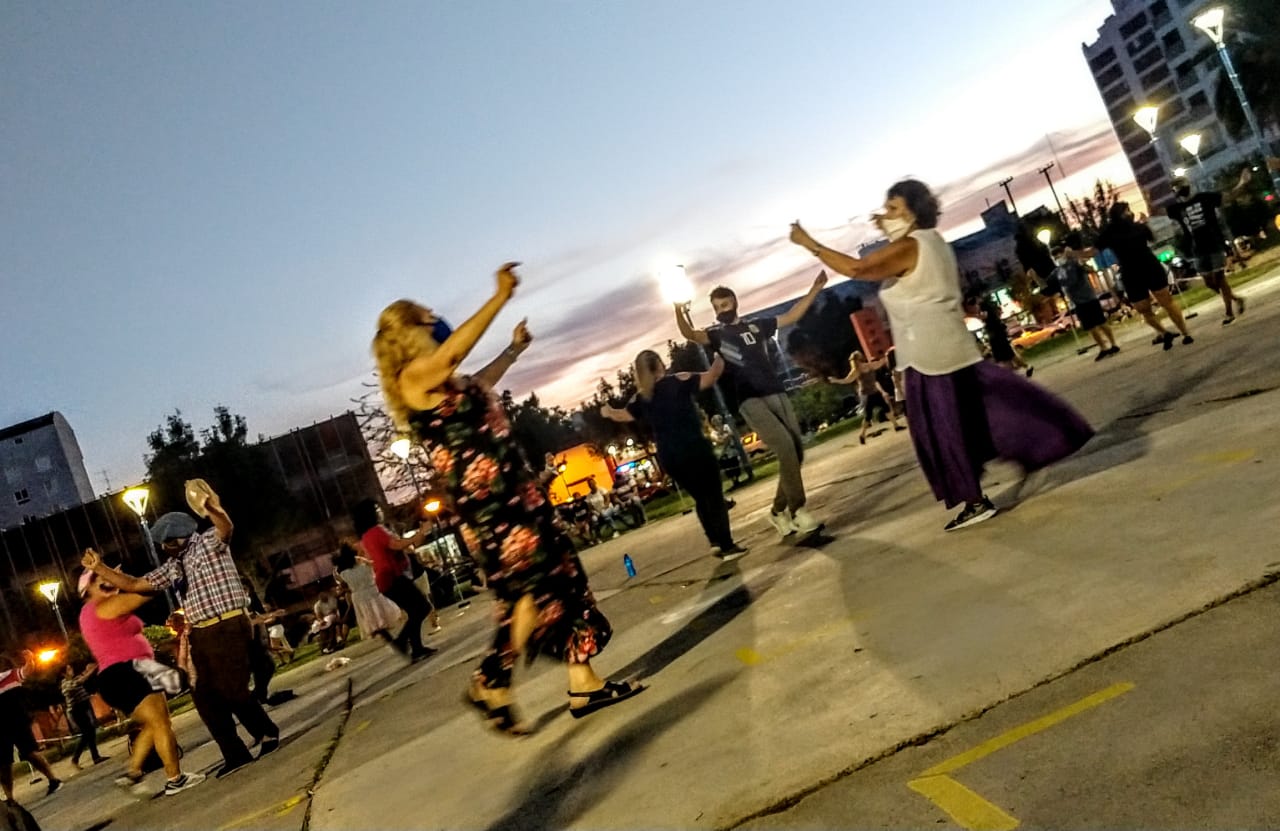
[{"x": 375, "y": 614}]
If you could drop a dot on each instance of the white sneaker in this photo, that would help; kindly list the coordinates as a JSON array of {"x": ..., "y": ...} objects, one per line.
[
  {"x": 804, "y": 521},
  {"x": 184, "y": 781},
  {"x": 783, "y": 523}
]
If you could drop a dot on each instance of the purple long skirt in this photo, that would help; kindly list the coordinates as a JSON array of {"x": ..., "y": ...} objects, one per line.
[{"x": 962, "y": 420}]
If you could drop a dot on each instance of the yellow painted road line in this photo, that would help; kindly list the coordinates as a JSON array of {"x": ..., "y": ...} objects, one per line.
[
  {"x": 1029, "y": 729},
  {"x": 279, "y": 809},
  {"x": 963, "y": 805},
  {"x": 752, "y": 658}
]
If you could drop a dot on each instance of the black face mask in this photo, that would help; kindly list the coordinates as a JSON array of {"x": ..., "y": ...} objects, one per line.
[
  {"x": 1183, "y": 193},
  {"x": 727, "y": 317}
]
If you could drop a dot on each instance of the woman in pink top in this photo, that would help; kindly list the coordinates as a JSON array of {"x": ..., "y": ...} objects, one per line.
[{"x": 130, "y": 679}]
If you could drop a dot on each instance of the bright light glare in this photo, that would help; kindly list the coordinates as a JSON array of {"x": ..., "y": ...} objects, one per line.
[
  {"x": 400, "y": 447},
  {"x": 136, "y": 499},
  {"x": 1179, "y": 171},
  {"x": 1210, "y": 22},
  {"x": 1146, "y": 118},
  {"x": 1191, "y": 143},
  {"x": 47, "y": 656},
  {"x": 1044, "y": 235},
  {"x": 674, "y": 283},
  {"x": 432, "y": 506},
  {"x": 50, "y": 589}
]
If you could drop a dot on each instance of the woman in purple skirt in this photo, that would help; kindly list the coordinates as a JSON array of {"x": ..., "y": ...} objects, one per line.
[{"x": 964, "y": 411}]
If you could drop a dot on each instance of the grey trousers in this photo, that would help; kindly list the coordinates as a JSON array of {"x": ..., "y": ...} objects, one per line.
[{"x": 774, "y": 420}]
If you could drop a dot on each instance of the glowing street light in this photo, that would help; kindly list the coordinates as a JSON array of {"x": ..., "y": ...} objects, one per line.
[
  {"x": 432, "y": 506},
  {"x": 1210, "y": 22},
  {"x": 1179, "y": 172},
  {"x": 1146, "y": 118},
  {"x": 50, "y": 589},
  {"x": 136, "y": 499},
  {"x": 400, "y": 448},
  {"x": 48, "y": 656},
  {"x": 1191, "y": 143},
  {"x": 675, "y": 285},
  {"x": 612, "y": 450},
  {"x": 1045, "y": 236}
]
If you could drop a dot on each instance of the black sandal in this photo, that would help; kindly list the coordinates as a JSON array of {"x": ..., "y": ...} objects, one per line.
[{"x": 611, "y": 693}]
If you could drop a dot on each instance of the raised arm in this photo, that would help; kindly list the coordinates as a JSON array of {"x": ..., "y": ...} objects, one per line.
[
  {"x": 429, "y": 372},
  {"x": 93, "y": 561},
  {"x": 222, "y": 523},
  {"x": 893, "y": 260},
  {"x": 495, "y": 369},
  {"x": 687, "y": 330},
  {"x": 616, "y": 414},
  {"x": 793, "y": 315},
  {"x": 396, "y": 543},
  {"x": 707, "y": 380}
]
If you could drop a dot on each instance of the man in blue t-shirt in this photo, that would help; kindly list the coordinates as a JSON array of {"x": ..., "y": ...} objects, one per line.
[{"x": 751, "y": 380}]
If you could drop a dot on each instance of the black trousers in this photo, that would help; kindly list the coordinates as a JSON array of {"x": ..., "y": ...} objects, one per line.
[
  {"x": 698, "y": 471},
  {"x": 81, "y": 715},
  {"x": 262, "y": 665},
  {"x": 222, "y": 660},
  {"x": 405, "y": 594}
]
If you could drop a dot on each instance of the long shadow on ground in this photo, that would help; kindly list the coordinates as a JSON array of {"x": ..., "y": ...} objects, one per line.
[{"x": 561, "y": 789}]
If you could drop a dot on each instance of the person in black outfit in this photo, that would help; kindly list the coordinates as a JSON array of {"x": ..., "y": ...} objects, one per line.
[
  {"x": 1002, "y": 351},
  {"x": 667, "y": 403},
  {"x": 1141, "y": 272},
  {"x": 80, "y": 713},
  {"x": 1198, "y": 216}
]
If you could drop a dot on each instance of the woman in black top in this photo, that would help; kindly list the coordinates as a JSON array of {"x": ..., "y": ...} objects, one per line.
[
  {"x": 1141, "y": 272},
  {"x": 667, "y": 403}
]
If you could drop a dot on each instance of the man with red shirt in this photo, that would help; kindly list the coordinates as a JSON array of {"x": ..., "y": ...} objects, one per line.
[{"x": 392, "y": 575}]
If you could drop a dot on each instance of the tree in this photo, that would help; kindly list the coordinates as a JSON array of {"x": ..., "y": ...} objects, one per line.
[
  {"x": 1090, "y": 213},
  {"x": 242, "y": 473}
]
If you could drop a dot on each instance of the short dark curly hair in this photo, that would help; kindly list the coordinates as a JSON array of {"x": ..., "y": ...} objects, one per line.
[{"x": 920, "y": 201}]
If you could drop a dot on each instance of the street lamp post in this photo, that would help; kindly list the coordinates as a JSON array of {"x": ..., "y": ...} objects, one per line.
[
  {"x": 1191, "y": 144},
  {"x": 136, "y": 499},
  {"x": 402, "y": 448},
  {"x": 1210, "y": 22},
  {"x": 679, "y": 291},
  {"x": 1147, "y": 118},
  {"x": 50, "y": 589}
]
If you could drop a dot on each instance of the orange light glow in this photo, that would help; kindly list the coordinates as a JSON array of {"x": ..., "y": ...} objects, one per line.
[{"x": 47, "y": 656}]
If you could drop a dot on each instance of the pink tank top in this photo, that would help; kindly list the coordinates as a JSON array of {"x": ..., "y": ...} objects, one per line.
[{"x": 114, "y": 640}]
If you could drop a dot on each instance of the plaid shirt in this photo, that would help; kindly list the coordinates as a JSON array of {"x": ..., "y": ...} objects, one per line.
[
  {"x": 205, "y": 578},
  {"x": 74, "y": 692}
]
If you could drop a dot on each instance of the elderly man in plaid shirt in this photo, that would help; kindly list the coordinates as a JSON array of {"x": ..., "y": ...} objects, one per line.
[{"x": 200, "y": 569}]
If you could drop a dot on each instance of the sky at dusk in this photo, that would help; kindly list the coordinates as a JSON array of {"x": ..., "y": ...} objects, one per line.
[{"x": 208, "y": 204}]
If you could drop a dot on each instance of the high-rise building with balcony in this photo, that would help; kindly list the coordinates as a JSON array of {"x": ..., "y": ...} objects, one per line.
[
  {"x": 1148, "y": 53},
  {"x": 43, "y": 470}
]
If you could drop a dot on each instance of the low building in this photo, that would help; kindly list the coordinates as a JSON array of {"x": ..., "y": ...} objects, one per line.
[{"x": 43, "y": 470}]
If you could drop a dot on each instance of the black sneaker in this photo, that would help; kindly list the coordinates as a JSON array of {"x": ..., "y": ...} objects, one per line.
[
  {"x": 184, "y": 781},
  {"x": 54, "y": 784},
  {"x": 972, "y": 514},
  {"x": 1168, "y": 339},
  {"x": 269, "y": 744},
  {"x": 1239, "y": 305},
  {"x": 426, "y": 653},
  {"x": 727, "y": 554},
  {"x": 1187, "y": 340},
  {"x": 1228, "y": 321}
]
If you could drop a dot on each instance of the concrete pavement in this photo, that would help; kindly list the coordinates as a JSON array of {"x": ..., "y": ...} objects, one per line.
[{"x": 795, "y": 667}]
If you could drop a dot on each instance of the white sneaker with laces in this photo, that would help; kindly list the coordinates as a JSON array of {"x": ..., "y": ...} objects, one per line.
[
  {"x": 804, "y": 521},
  {"x": 783, "y": 522},
  {"x": 184, "y": 781}
]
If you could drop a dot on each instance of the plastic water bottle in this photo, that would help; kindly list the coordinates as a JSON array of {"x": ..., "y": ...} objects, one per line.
[{"x": 629, "y": 565}]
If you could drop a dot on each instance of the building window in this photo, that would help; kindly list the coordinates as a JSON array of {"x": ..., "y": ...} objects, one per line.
[
  {"x": 1187, "y": 76},
  {"x": 1148, "y": 60},
  {"x": 1106, "y": 79},
  {"x": 1098, "y": 62},
  {"x": 43, "y": 464},
  {"x": 18, "y": 440},
  {"x": 1135, "y": 25},
  {"x": 1173, "y": 44},
  {"x": 21, "y": 496},
  {"x": 1141, "y": 42},
  {"x": 1155, "y": 76}
]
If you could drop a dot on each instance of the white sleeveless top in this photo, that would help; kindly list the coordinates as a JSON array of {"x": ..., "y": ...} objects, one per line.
[{"x": 925, "y": 313}]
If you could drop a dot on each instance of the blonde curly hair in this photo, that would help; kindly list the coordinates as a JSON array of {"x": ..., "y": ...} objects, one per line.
[{"x": 400, "y": 338}]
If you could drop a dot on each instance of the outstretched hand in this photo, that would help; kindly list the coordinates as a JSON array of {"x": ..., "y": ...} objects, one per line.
[
  {"x": 521, "y": 337},
  {"x": 508, "y": 279},
  {"x": 91, "y": 560},
  {"x": 820, "y": 281},
  {"x": 801, "y": 237}
]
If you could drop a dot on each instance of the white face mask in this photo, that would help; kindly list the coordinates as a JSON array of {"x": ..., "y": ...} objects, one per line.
[
  {"x": 895, "y": 229},
  {"x": 1060, "y": 261}
]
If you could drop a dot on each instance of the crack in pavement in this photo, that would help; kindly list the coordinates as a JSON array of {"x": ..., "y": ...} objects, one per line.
[{"x": 328, "y": 754}]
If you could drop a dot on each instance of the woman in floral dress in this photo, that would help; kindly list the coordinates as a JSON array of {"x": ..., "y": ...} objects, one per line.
[{"x": 544, "y": 603}]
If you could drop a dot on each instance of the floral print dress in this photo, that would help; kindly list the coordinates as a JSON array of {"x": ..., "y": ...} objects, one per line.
[{"x": 510, "y": 528}]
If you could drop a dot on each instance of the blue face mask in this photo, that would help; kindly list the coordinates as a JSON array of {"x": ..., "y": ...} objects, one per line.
[{"x": 441, "y": 330}]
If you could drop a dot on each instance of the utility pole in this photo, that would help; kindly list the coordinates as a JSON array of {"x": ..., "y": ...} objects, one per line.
[
  {"x": 1004, "y": 183},
  {"x": 1044, "y": 171}
]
